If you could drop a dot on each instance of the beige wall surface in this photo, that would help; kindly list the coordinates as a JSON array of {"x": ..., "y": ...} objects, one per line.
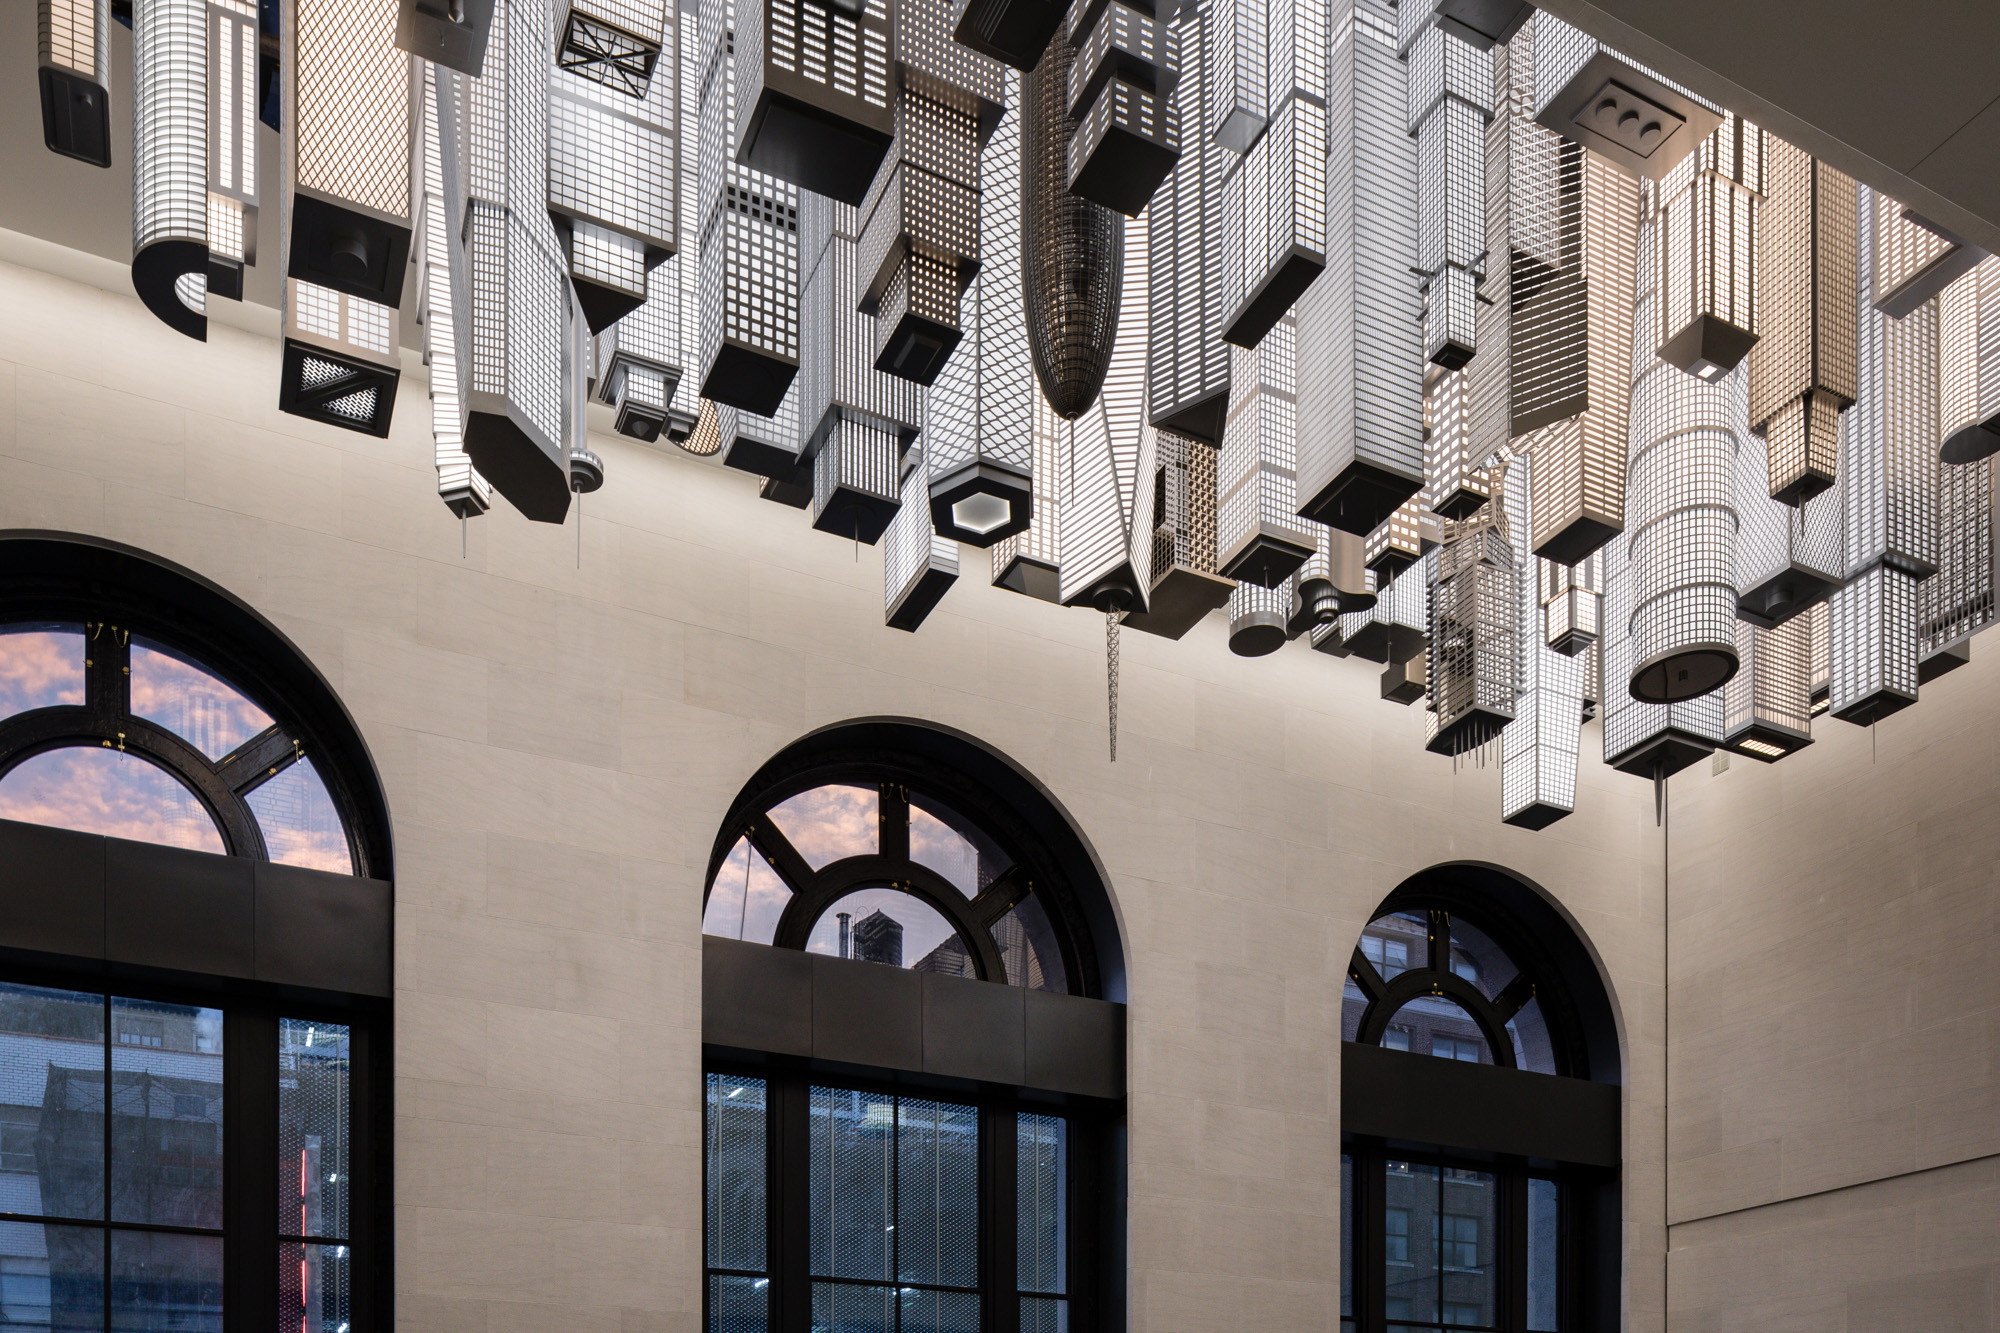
[
  {"x": 558, "y": 739},
  {"x": 1835, "y": 1026}
]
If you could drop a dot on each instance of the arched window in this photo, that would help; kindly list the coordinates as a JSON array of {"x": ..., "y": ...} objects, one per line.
[
  {"x": 1480, "y": 1116},
  {"x": 195, "y": 918},
  {"x": 914, "y": 1083}
]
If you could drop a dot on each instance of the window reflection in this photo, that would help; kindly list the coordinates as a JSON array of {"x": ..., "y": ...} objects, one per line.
[
  {"x": 946, "y": 842},
  {"x": 1433, "y": 1025},
  {"x": 829, "y": 823},
  {"x": 1028, "y": 947},
  {"x": 208, "y": 714},
  {"x": 747, "y": 899},
  {"x": 299, "y": 823},
  {"x": 891, "y": 927},
  {"x": 40, "y": 667},
  {"x": 93, "y": 789}
]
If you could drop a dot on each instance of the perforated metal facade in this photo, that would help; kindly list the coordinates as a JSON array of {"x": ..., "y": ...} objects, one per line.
[
  {"x": 1969, "y": 365},
  {"x": 1029, "y": 562},
  {"x": 1788, "y": 557},
  {"x": 1767, "y": 704},
  {"x": 1475, "y": 635},
  {"x": 1538, "y": 749},
  {"x": 1188, "y": 364},
  {"x": 1360, "y": 393},
  {"x": 1706, "y": 315},
  {"x": 1449, "y": 103},
  {"x": 444, "y": 284},
  {"x": 170, "y": 162},
  {"x": 1260, "y": 537},
  {"x": 1914, "y": 259},
  {"x": 918, "y": 565},
  {"x": 1642, "y": 738},
  {"x": 1803, "y": 366},
  {"x": 815, "y": 85}
]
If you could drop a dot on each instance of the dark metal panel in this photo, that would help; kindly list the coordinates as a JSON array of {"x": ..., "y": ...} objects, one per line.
[
  {"x": 325, "y": 931},
  {"x": 974, "y": 1029},
  {"x": 866, "y": 1013},
  {"x": 189, "y": 911},
  {"x": 1420, "y": 1099},
  {"x": 51, "y": 890},
  {"x": 1074, "y": 1044},
  {"x": 755, "y": 997}
]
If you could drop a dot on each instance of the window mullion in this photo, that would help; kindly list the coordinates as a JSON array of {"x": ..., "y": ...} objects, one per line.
[
  {"x": 788, "y": 1214},
  {"x": 999, "y": 1261},
  {"x": 249, "y": 1170}
]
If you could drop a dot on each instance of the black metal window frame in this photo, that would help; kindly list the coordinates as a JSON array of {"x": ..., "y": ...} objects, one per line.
[
  {"x": 788, "y": 1184},
  {"x": 1434, "y": 975},
  {"x": 251, "y": 1231},
  {"x": 1368, "y": 1244},
  {"x": 896, "y": 775}
]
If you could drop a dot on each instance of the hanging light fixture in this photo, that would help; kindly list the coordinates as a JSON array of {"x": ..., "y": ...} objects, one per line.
[
  {"x": 1767, "y": 704},
  {"x": 444, "y": 283},
  {"x": 1259, "y": 536},
  {"x": 919, "y": 565},
  {"x": 749, "y": 299},
  {"x": 1788, "y": 557},
  {"x": 1187, "y": 363},
  {"x": 75, "y": 77},
  {"x": 1449, "y": 103},
  {"x": 1258, "y": 618},
  {"x": 1361, "y": 452},
  {"x": 1185, "y": 585},
  {"x": 1539, "y": 747},
  {"x": 1644, "y": 739},
  {"x": 1120, "y": 92},
  {"x": 815, "y": 92},
  {"x": 1969, "y": 366},
  {"x": 1707, "y": 237},
  {"x": 1915, "y": 259},
  {"x": 1802, "y": 366},
  {"x": 1030, "y": 561}
]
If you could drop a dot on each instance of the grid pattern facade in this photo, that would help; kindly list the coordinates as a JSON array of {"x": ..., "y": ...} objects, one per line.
[
  {"x": 1110, "y": 457},
  {"x": 1889, "y": 466},
  {"x": 1184, "y": 508},
  {"x": 1361, "y": 392},
  {"x": 1912, "y": 262},
  {"x": 170, "y": 123},
  {"x": 650, "y": 338},
  {"x": 1260, "y": 536},
  {"x": 780, "y": 433},
  {"x": 350, "y": 123},
  {"x": 1873, "y": 634},
  {"x": 1539, "y": 748},
  {"x": 931, "y": 61},
  {"x": 1396, "y": 626},
  {"x": 232, "y": 113},
  {"x": 857, "y": 470},
  {"x": 834, "y": 57},
  {"x": 1449, "y": 103},
  {"x": 749, "y": 239},
  {"x": 1563, "y": 51},
  {"x": 1039, "y": 546},
  {"x": 839, "y": 379},
  {"x": 1475, "y": 636},
  {"x": 1969, "y": 362},
  {"x": 1572, "y": 604},
  {"x": 1187, "y": 362},
  {"x": 1250, "y": 605},
  {"x": 917, "y": 564},
  {"x": 1957, "y": 601},
  {"x": 981, "y": 405},
  {"x": 612, "y": 161},
  {"x": 1706, "y": 233},
  {"x": 1133, "y": 113},
  {"x": 1398, "y": 541},
  {"x": 1767, "y": 704},
  {"x": 1542, "y": 175},
  {"x": 1491, "y": 376},
  {"x": 1241, "y": 105},
  {"x": 72, "y": 34},
  {"x": 1070, "y": 249},
  {"x": 1684, "y": 436},
  {"x": 1788, "y": 557},
  {"x": 1806, "y": 249},
  {"x": 1454, "y": 480},
  {"x": 684, "y": 265},
  {"x": 519, "y": 290},
  {"x": 1579, "y": 500},
  {"x": 1122, "y": 38},
  {"x": 1631, "y": 728},
  {"x": 442, "y": 285},
  {"x": 1275, "y": 200}
]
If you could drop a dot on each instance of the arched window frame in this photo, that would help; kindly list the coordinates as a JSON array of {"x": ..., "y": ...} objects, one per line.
[
  {"x": 1035, "y": 868},
  {"x": 114, "y": 593},
  {"x": 1417, "y": 1109}
]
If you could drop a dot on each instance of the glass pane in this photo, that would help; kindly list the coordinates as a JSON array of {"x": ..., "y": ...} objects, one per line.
[
  {"x": 40, "y": 668},
  {"x": 737, "y": 1124},
  {"x": 1028, "y": 947},
  {"x": 1346, "y": 1236},
  {"x": 1544, "y": 1238},
  {"x": 1467, "y": 1223},
  {"x": 52, "y": 1101},
  {"x": 313, "y": 1288},
  {"x": 1479, "y": 960},
  {"x": 1410, "y": 1285},
  {"x": 1437, "y": 1026},
  {"x": 1529, "y": 1032},
  {"x": 838, "y": 1308},
  {"x": 213, "y": 717},
  {"x": 165, "y": 1283},
  {"x": 939, "y": 1311},
  {"x": 853, "y": 1136},
  {"x": 51, "y": 1278},
  {"x": 828, "y": 823},
  {"x": 945, "y": 841},
  {"x": 1396, "y": 943},
  {"x": 1353, "y": 1003},
  {"x": 299, "y": 823},
  {"x": 937, "y": 1193},
  {"x": 314, "y": 1170},
  {"x": 739, "y": 1305},
  {"x": 746, "y": 898},
  {"x": 1039, "y": 1314},
  {"x": 892, "y": 927},
  {"x": 1041, "y": 1184},
  {"x": 97, "y": 790},
  {"x": 166, "y": 1115}
]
